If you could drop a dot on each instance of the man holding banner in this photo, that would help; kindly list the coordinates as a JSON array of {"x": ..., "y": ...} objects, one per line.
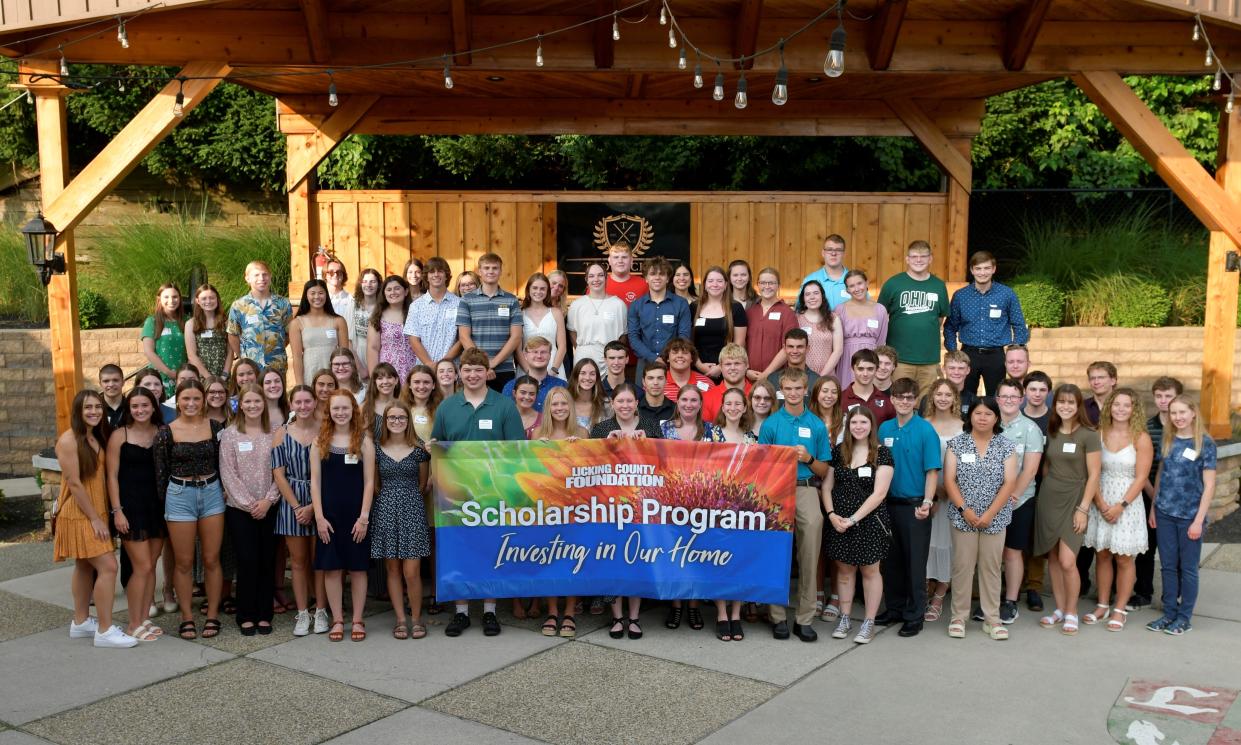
[{"x": 794, "y": 426}]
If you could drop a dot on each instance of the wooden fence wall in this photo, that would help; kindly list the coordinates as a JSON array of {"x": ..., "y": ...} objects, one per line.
[{"x": 382, "y": 229}]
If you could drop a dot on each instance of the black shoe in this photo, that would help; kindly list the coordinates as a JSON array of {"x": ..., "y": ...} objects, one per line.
[
  {"x": 1138, "y": 602},
  {"x": 910, "y": 628},
  {"x": 887, "y": 618},
  {"x": 673, "y": 621},
  {"x": 635, "y": 629},
  {"x": 617, "y": 633},
  {"x": 491, "y": 624},
  {"x": 1008, "y": 612},
  {"x": 805, "y": 633},
  {"x": 1034, "y": 601},
  {"x": 263, "y": 630},
  {"x": 248, "y": 630},
  {"x": 460, "y": 622},
  {"x": 977, "y": 614},
  {"x": 780, "y": 630}
]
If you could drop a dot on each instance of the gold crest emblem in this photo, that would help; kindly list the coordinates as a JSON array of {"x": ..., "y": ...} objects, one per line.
[{"x": 632, "y": 229}]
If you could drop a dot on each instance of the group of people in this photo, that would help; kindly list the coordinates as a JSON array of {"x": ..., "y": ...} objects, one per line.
[{"x": 265, "y": 435}]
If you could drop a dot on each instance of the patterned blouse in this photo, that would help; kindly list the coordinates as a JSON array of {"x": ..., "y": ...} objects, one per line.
[
  {"x": 980, "y": 480},
  {"x": 710, "y": 432},
  {"x": 262, "y": 328}
]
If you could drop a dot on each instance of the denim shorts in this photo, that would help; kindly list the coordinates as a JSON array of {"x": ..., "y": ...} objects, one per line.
[{"x": 189, "y": 503}]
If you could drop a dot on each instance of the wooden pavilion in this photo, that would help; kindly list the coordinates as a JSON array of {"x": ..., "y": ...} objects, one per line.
[{"x": 918, "y": 68}]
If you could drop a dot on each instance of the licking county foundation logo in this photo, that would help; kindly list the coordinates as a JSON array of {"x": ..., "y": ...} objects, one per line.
[
  {"x": 1157, "y": 712},
  {"x": 634, "y": 230}
]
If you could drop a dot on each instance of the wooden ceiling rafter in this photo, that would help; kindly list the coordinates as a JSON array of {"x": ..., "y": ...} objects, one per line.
[
  {"x": 1022, "y": 32},
  {"x": 745, "y": 34},
  {"x": 605, "y": 52},
  {"x": 315, "y": 14},
  {"x": 461, "y": 34},
  {"x": 882, "y": 36}
]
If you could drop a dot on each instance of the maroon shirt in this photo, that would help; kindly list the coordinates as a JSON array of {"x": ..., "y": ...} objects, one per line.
[
  {"x": 764, "y": 337},
  {"x": 878, "y": 403}
]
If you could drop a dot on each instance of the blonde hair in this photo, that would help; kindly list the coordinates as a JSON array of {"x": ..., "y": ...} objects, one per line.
[
  {"x": 239, "y": 418},
  {"x": 928, "y": 403},
  {"x": 1137, "y": 420},
  {"x": 1169, "y": 433},
  {"x": 547, "y": 425}
]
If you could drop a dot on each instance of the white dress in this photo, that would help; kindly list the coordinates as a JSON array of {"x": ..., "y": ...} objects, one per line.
[
  {"x": 939, "y": 559},
  {"x": 546, "y": 329},
  {"x": 596, "y": 322},
  {"x": 1127, "y": 536}
]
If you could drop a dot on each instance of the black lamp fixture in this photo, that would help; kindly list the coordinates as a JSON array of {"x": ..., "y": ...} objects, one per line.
[{"x": 40, "y": 238}]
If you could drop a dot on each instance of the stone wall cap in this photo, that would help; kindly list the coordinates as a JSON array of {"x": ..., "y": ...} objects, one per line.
[
  {"x": 1227, "y": 448},
  {"x": 45, "y": 462}
]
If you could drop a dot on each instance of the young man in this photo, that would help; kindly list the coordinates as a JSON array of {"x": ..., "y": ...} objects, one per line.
[
  {"x": 917, "y": 301},
  {"x": 862, "y": 391},
  {"x": 656, "y": 317},
  {"x": 733, "y": 365},
  {"x": 1037, "y": 386},
  {"x": 538, "y": 355},
  {"x": 1028, "y": 438},
  {"x": 1016, "y": 361},
  {"x": 985, "y": 317},
  {"x": 431, "y": 323},
  {"x": 769, "y": 320},
  {"x": 794, "y": 426},
  {"x": 887, "y": 365},
  {"x": 1101, "y": 376},
  {"x": 653, "y": 402},
  {"x": 615, "y": 359},
  {"x": 1164, "y": 389},
  {"x": 111, "y": 381},
  {"x": 476, "y": 413},
  {"x": 957, "y": 369},
  {"x": 916, "y": 460},
  {"x": 796, "y": 344},
  {"x": 628, "y": 287},
  {"x": 490, "y": 319},
  {"x": 258, "y": 322},
  {"x": 832, "y": 274},
  {"x": 681, "y": 357}
]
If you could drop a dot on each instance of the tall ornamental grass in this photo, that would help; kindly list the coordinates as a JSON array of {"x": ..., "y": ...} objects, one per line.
[{"x": 22, "y": 297}]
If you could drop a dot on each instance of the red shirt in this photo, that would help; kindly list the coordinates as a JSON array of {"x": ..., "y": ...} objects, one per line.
[
  {"x": 629, "y": 290},
  {"x": 671, "y": 388},
  {"x": 712, "y": 399},
  {"x": 764, "y": 337},
  {"x": 878, "y": 403}
]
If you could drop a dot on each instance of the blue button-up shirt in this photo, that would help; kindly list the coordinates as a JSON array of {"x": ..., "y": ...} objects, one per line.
[
  {"x": 990, "y": 319},
  {"x": 652, "y": 325},
  {"x": 806, "y": 429}
]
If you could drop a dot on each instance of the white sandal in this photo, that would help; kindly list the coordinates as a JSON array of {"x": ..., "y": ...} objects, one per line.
[
  {"x": 1090, "y": 619},
  {"x": 1070, "y": 625},
  {"x": 1114, "y": 624},
  {"x": 831, "y": 611},
  {"x": 1054, "y": 619}
]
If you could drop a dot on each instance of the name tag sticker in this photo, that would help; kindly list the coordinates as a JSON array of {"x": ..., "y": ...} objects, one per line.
[
  {"x": 166, "y": 332},
  {"x": 871, "y": 323},
  {"x": 932, "y": 296},
  {"x": 484, "y": 424},
  {"x": 502, "y": 311},
  {"x": 702, "y": 385},
  {"x": 420, "y": 419},
  {"x": 699, "y": 321},
  {"x": 1021, "y": 449},
  {"x": 1190, "y": 454},
  {"x": 803, "y": 432},
  {"x": 844, "y": 292},
  {"x": 852, "y": 407},
  {"x": 780, "y": 395},
  {"x": 351, "y": 459},
  {"x": 207, "y": 334},
  {"x": 889, "y": 441},
  {"x": 773, "y": 316},
  {"x": 864, "y": 472},
  {"x": 995, "y": 313},
  {"x": 331, "y": 333},
  {"x": 669, "y": 318},
  {"x": 1070, "y": 447},
  {"x": 245, "y": 446},
  {"x": 607, "y": 315},
  {"x": 968, "y": 458}
]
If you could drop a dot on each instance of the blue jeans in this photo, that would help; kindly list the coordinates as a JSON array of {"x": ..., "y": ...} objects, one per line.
[{"x": 1178, "y": 557}]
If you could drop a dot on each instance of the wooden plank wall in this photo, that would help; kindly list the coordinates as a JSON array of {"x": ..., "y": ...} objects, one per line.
[{"x": 383, "y": 228}]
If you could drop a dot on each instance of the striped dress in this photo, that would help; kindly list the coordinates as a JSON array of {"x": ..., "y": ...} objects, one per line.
[{"x": 295, "y": 457}]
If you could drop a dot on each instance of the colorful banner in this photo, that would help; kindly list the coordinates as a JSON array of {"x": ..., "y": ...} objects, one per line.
[{"x": 652, "y": 518}]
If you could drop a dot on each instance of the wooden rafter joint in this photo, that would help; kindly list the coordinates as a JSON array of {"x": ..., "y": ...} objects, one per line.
[
  {"x": 1022, "y": 32},
  {"x": 745, "y": 33},
  {"x": 881, "y": 41}
]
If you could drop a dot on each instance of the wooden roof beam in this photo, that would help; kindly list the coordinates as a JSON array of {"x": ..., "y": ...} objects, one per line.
[
  {"x": 745, "y": 33},
  {"x": 937, "y": 144},
  {"x": 1188, "y": 179},
  {"x": 316, "y": 30},
  {"x": 460, "y": 33},
  {"x": 305, "y": 154},
  {"x": 1022, "y": 32},
  {"x": 881, "y": 41},
  {"x": 605, "y": 54}
]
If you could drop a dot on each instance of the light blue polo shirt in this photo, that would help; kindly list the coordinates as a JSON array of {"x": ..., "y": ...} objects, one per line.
[
  {"x": 806, "y": 429},
  {"x": 915, "y": 450},
  {"x": 1024, "y": 432}
]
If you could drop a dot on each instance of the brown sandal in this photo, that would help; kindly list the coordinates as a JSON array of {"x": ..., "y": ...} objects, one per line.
[
  {"x": 417, "y": 631},
  {"x": 357, "y": 631},
  {"x": 400, "y": 631},
  {"x": 338, "y": 631}
]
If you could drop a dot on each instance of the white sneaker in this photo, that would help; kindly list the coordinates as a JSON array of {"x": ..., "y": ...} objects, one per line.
[
  {"x": 321, "y": 621},
  {"x": 302, "y": 627},
  {"x": 83, "y": 630},
  {"x": 153, "y": 611},
  {"x": 114, "y": 638}
]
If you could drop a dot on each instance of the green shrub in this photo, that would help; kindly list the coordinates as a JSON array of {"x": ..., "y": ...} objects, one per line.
[
  {"x": 1125, "y": 300},
  {"x": 1042, "y": 302},
  {"x": 92, "y": 308},
  {"x": 22, "y": 295},
  {"x": 1189, "y": 304}
]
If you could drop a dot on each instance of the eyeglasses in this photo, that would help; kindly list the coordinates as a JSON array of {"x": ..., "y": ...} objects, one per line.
[
  {"x": 342, "y": 364},
  {"x": 904, "y": 397},
  {"x": 1009, "y": 397},
  {"x": 333, "y": 272},
  {"x": 397, "y": 418},
  {"x": 768, "y": 283}
]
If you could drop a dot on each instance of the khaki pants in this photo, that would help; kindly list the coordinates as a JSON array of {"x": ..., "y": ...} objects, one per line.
[
  {"x": 1035, "y": 567},
  {"x": 923, "y": 375},
  {"x": 809, "y": 534},
  {"x": 972, "y": 549}
]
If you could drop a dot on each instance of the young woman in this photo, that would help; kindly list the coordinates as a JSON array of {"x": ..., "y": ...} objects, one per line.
[
  {"x": 859, "y": 529},
  {"x": 543, "y": 319},
  {"x": 82, "y": 524},
  {"x": 344, "y": 367},
  {"x": 559, "y": 423},
  {"x": 163, "y": 341},
  {"x": 383, "y": 389},
  {"x": 315, "y": 332},
  {"x": 683, "y": 283},
  {"x": 826, "y": 337},
  {"x": 149, "y": 379},
  {"x": 595, "y": 318},
  {"x": 399, "y": 532},
  {"x": 342, "y": 486},
  {"x": 525, "y": 394},
  {"x": 740, "y": 284},
  {"x": 386, "y": 341},
  {"x": 940, "y": 408},
  {"x": 980, "y": 470},
  {"x": 323, "y": 384},
  {"x": 586, "y": 394},
  {"x": 863, "y": 323},
  {"x": 245, "y": 372},
  {"x": 422, "y": 396},
  {"x": 183, "y": 373},
  {"x": 136, "y": 511},
  {"x": 414, "y": 274},
  {"x": 246, "y": 472},
  {"x": 187, "y": 466},
  {"x": 206, "y": 343},
  {"x": 825, "y": 404},
  {"x": 274, "y": 392},
  {"x": 365, "y": 298},
  {"x": 762, "y": 402},
  {"x": 1071, "y": 465},
  {"x": 1116, "y": 525},
  {"x": 718, "y": 320},
  {"x": 217, "y": 407},
  {"x": 736, "y": 424},
  {"x": 446, "y": 378},
  {"x": 467, "y": 282},
  {"x": 290, "y": 460},
  {"x": 559, "y": 290},
  {"x": 1183, "y": 492}
]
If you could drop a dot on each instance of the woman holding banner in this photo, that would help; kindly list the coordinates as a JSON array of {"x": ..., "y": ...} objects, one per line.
[
  {"x": 559, "y": 423},
  {"x": 736, "y": 425}
]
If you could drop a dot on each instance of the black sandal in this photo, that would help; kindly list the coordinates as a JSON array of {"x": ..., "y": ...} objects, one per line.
[
  {"x": 674, "y": 618},
  {"x": 723, "y": 631},
  {"x": 211, "y": 628},
  {"x": 568, "y": 627},
  {"x": 551, "y": 626},
  {"x": 635, "y": 629},
  {"x": 229, "y": 606},
  {"x": 264, "y": 628},
  {"x": 695, "y": 619},
  {"x": 250, "y": 630},
  {"x": 187, "y": 631},
  {"x": 737, "y": 631},
  {"x": 617, "y": 633}
]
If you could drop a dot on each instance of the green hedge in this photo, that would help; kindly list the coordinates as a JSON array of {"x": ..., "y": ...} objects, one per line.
[
  {"x": 1042, "y": 302},
  {"x": 1124, "y": 300}
]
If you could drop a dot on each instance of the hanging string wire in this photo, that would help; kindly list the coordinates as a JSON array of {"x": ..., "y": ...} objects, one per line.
[{"x": 1212, "y": 60}]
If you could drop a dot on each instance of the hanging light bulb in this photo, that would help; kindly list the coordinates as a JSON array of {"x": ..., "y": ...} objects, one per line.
[
  {"x": 29, "y": 98},
  {"x": 332, "y": 99},
  {"x": 663, "y": 16},
  {"x": 1228, "y": 105},
  {"x": 1210, "y": 59},
  {"x": 718, "y": 91},
  {"x": 120, "y": 85},
  {"x": 742, "y": 100},
  {"x": 615, "y": 28},
  {"x": 780, "y": 94},
  {"x": 672, "y": 38},
  {"x": 538, "y": 53},
  {"x": 683, "y": 62},
  {"x": 697, "y": 74},
  {"x": 122, "y": 36},
  {"x": 178, "y": 103},
  {"x": 834, "y": 64},
  {"x": 1219, "y": 80},
  {"x": 64, "y": 64},
  {"x": 447, "y": 74},
  {"x": 1197, "y": 31}
]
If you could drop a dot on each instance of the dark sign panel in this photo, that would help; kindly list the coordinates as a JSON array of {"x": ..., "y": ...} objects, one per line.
[{"x": 585, "y": 231}]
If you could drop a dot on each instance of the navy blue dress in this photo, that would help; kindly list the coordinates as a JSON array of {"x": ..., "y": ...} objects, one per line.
[{"x": 341, "y": 496}]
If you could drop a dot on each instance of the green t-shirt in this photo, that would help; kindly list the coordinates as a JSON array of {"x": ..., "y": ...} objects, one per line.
[
  {"x": 169, "y": 345},
  {"x": 915, "y": 309}
]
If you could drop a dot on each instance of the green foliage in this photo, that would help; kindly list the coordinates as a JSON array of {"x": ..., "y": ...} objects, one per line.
[
  {"x": 1127, "y": 300},
  {"x": 92, "y": 308},
  {"x": 1042, "y": 302},
  {"x": 22, "y": 295}
]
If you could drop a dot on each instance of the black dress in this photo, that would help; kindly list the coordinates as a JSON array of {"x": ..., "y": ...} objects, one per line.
[
  {"x": 140, "y": 500},
  {"x": 399, "y": 516},
  {"x": 711, "y": 334},
  {"x": 341, "y": 497},
  {"x": 867, "y": 542}
]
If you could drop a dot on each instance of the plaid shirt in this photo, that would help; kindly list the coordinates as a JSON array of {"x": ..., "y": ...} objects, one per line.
[
  {"x": 434, "y": 324},
  {"x": 489, "y": 319}
]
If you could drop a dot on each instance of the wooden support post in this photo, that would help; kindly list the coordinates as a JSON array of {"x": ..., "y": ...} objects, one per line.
[
  {"x": 958, "y": 219},
  {"x": 305, "y": 154},
  {"x": 303, "y": 223},
  {"x": 1220, "y": 334}
]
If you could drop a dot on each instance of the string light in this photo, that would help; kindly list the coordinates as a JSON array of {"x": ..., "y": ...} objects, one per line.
[
  {"x": 1228, "y": 104},
  {"x": 1197, "y": 30},
  {"x": 1210, "y": 59},
  {"x": 672, "y": 38},
  {"x": 663, "y": 16},
  {"x": 718, "y": 91},
  {"x": 538, "y": 53},
  {"x": 64, "y": 65},
  {"x": 780, "y": 93},
  {"x": 742, "y": 100},
  {"x": 447, "y": 74},
  {"x": 615, "y": 27},
  {"x": 332, "y": 99},
  {"x": 178, "y": 103},
  {"x": 834, "y": 64},
  {"x": 1221, "y": 74},
  {"x": 1219, "y": 80},
  {"x": 683, "y": 61},
  {"x": 697, "y": 74},
  {"x": 121, "y": 35}
]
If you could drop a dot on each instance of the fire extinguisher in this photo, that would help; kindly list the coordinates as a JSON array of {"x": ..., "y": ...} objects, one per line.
[{"x": 321, "y": 259}]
